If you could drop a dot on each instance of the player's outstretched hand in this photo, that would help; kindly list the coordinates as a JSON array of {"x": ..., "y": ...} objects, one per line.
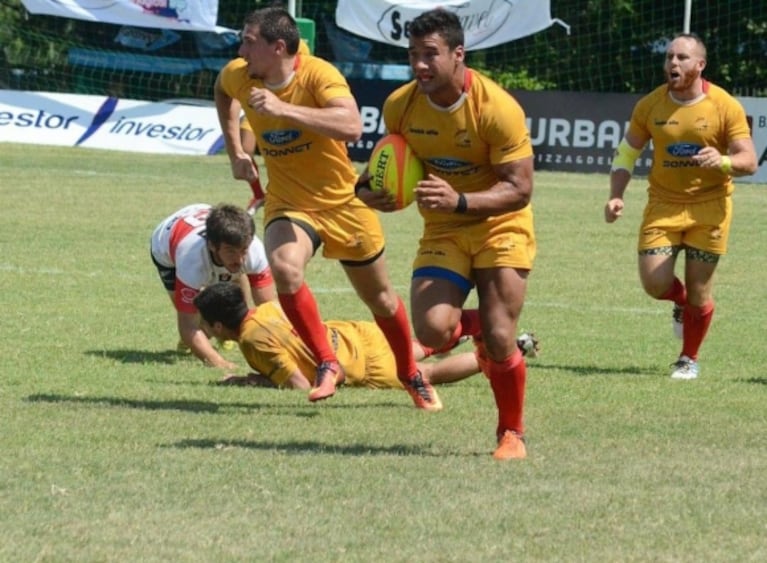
[{"x": 613, "y": 210}]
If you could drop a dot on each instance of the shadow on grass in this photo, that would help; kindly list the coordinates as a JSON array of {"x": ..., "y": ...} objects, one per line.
[
  {"x": 128, "y": 356},
  {"x": 299, "y": 448},
  {"x": 596, "y": 370},
  {"x": 176, "y": 404},
  {"x": 755, "y": 380},
  {"x": 306, "y": 411}
]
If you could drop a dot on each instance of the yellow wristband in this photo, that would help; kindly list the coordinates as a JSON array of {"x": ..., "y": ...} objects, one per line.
[
  {"x": 726, "y": 165},
  {"x": 625, "y": 157}
]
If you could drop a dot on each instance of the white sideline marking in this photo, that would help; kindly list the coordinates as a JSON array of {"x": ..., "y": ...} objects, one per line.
[{"x": 570, "y": 306}]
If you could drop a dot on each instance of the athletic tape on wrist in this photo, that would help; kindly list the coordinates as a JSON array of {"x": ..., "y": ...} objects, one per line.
[{"x": 625, "y": 157}]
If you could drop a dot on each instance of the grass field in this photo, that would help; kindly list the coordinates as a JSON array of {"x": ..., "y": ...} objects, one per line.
[{"x": 114, "y": 448}]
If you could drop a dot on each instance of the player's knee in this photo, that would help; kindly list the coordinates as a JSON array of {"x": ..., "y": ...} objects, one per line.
[
  {"x": 432, "y": 336},
  {"x": 655, "y": 288}
]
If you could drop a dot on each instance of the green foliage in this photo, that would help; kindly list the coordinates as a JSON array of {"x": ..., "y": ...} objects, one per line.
[
  {"x": 115, "y": 448},
  {"x": 510, "y": 79},
  {"x": 612, "y": 47}
]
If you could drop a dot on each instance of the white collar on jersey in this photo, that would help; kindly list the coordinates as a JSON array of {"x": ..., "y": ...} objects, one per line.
[
  {"x": 695, "y": 100},
  {"x": 282, "y": 84},
  {"x": 452, "y": 106}
]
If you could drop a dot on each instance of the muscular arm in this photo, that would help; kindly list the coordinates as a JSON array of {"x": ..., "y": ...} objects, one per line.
[
  {"x": 743, "y": 155},
  {"x": 228, "y": 110},
  {"x": 339, "y": 119},
  {"x": 511, "y": 192}
]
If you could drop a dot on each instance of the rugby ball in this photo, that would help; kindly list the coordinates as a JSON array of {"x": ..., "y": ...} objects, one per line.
[{"x": 394, "y": 167}]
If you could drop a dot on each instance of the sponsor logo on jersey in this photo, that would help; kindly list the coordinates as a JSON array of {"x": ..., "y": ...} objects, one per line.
[
  {"x": 448, "y": 164},
  {"x": 281, "y": 137},
  {"x": 683, "y": 150}
]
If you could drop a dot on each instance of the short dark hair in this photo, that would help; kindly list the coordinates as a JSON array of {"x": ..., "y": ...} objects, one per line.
[
  {"x": 229, "y": 224},
  {"x": 443, "y": 22},
  {"x": 274, "y": 23},
  {"x": 222, "y": 302}
]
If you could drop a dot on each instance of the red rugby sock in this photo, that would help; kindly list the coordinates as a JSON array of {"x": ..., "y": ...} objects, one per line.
[
  {"x": 302, "y": 311},
  {"x": 676, "y": 293},
  {"x": 507, "y": 378},
  {"x": 696, "y": 323},
  {"x": 396, "y": 329}
]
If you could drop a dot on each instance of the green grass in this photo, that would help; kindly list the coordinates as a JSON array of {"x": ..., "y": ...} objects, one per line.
[{"x": 116, "y": 449}]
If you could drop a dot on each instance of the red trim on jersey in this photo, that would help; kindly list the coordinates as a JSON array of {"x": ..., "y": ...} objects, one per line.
[
  {"x": 183, "y": 297},
  {"x": 180, "y": 229},
  {"x": 261, "y": 279}
]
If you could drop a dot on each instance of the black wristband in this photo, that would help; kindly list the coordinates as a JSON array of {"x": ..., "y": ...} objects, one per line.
[
  {"x": 359, "y": 185},
  {"x": 461, "y": 206}
]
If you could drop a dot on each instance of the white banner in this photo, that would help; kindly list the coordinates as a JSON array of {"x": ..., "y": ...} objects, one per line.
[
  {"x": 46, "y": 119},
  {"x": 485, "y": 22},
  {"x": 756, "y": 112},
  {"x": 99, "y": 122},
  {"x": 200, "y": 15}
]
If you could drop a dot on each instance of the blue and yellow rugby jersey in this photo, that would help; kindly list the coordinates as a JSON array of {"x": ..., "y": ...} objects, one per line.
[
  {"x": 461, "y": 144},
  {"x": 306, "y": 170},
  {"x": 678, "y": 132}
]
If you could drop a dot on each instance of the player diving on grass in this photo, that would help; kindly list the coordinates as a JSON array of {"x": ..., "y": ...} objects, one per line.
[{"x": 280, "y": 358}]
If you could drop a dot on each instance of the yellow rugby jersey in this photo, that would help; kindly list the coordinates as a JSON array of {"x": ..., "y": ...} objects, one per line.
[
  {"x": 679, "y": 131},
  {"x": 274, "y": 349},
  {"x": 306, "y": 170},
  {"x": 461, "y": 144}
]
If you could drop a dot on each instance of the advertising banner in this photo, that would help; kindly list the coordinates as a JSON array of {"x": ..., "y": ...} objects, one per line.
[
  {"x": 756, "y": 112},
  {"x": 43, "y": 118},
  {"x": 486, "y": 23},
  {"x": 107, "y": 123},
  {"x": 570, "y": 131},
  {"x": 161, "y": 14}
]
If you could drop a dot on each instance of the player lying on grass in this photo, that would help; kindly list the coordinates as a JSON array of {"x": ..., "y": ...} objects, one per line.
[
  {"x": 199, "y": 245},
  {"x": 281, "y": 359}
]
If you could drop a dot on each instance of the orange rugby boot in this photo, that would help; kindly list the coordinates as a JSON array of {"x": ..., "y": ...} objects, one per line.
[
  {"x": 510, "y": 446},
  {"x": 423, "y": 393},
  {"x": 328, "y": 374}
]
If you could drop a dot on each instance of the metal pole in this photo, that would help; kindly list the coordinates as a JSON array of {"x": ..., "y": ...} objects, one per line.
[
  {"x": 687, "y": 15},
  {"x": 292, "y": 7}
]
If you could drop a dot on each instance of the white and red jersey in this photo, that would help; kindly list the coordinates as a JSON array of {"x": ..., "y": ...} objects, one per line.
[{"x": 179, "y": 242}]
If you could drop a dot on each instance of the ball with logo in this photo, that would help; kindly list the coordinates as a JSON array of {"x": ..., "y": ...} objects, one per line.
[{"x": 393, "y": 166}]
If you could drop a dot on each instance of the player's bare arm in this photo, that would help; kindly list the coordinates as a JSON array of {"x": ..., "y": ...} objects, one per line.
[
  {"x": 620, "y": 173},
  {"x": 339, "y": 119},
  {"x": 229, "y": 110},
  {"x": 194, "y": 337},
  {"x": 511, "y": 192}
]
